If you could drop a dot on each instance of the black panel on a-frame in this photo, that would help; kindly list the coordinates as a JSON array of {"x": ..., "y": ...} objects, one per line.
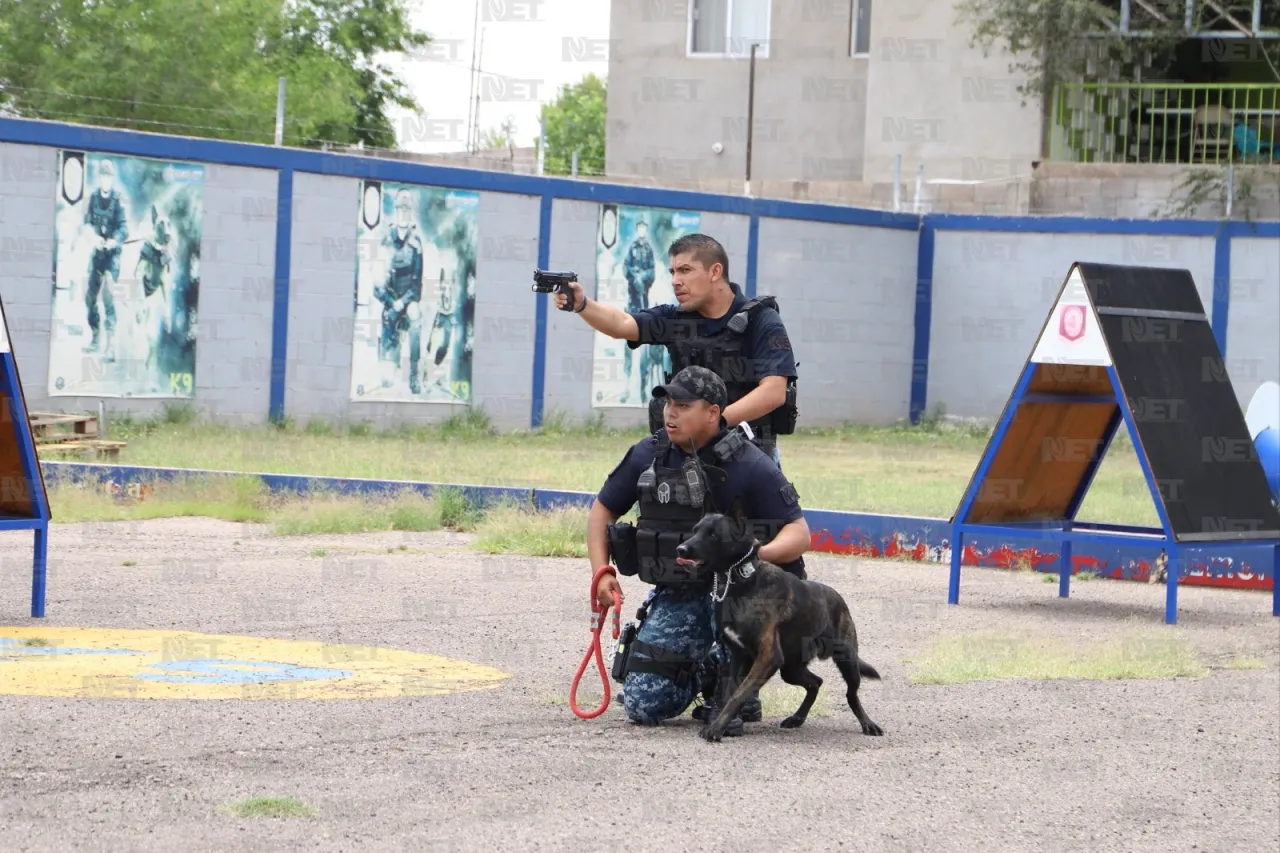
[{"x": 1189, "y": 422}]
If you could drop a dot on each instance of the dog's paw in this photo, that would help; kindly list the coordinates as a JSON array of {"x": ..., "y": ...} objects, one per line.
[
  {"x": 870, "y": 728},
  {"x": 711, "y": 734},
  {"x": 792, "y": 722}
]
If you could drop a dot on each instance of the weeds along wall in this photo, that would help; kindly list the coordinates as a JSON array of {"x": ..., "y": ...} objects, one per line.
[{"x": 889, "y": 314}]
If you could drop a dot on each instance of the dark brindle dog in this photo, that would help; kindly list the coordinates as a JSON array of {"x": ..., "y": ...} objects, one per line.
[{"x": 773, "y": 622}]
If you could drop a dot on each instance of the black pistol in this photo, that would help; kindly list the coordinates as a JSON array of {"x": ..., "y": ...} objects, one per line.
[{"x": 550, "y": 282}]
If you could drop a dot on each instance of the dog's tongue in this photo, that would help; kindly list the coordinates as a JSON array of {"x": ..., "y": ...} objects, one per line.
[{"x": 684, "y": 561}]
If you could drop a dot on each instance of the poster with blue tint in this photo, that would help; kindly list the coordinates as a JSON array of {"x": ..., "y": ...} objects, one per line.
[
  {"x": 632, "y": 273},
  {"x": 415, "y": 294},
  {"x": 126, "y": 276}
]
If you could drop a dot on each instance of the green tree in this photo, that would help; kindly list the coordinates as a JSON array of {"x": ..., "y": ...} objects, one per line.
[
  {"x": 575, "y": 121},
  {"x": 209, "y": 67},
  {"x": 1046, "y": 41}
]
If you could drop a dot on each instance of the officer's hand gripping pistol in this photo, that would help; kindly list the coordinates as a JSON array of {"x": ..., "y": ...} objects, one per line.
[{"x": 551, "y": 282}]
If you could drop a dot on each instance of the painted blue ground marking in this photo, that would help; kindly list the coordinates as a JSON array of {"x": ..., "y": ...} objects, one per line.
[
  {"x": 229, "y": 671},
  {"x": 11, "y": 650}
]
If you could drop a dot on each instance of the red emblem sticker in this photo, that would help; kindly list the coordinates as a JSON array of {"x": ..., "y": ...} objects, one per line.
[{"x": 1071, "y": 322}]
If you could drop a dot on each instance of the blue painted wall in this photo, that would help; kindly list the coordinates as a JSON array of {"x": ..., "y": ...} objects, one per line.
[{"x": 888, "y": 313}]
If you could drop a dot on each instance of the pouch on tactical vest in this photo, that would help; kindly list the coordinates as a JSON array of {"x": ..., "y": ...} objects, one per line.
[{"x": 622, "y": 548}]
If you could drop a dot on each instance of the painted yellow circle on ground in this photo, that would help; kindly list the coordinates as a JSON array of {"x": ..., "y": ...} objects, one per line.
[{"x": 111, "y": 663}]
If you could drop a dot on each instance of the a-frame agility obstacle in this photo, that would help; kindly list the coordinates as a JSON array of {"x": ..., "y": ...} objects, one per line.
[
  {"x": 1132, "y": 346},
  {"x": 24, "y": 504}
]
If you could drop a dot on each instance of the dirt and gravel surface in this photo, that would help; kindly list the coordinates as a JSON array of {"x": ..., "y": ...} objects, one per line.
[{"x": 1159, "y": 765}]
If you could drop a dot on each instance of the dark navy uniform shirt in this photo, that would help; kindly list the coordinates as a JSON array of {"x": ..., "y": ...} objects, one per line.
[
  {"x": 768, "y": 498},
  {"x": 766, "y": 342}
]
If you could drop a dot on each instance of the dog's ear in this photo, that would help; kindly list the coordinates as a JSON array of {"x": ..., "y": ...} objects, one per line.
[{"x": 737, "y": 510}]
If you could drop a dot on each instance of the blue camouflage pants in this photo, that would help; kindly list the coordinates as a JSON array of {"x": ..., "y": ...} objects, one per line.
[{"x": 679, "y": 621}]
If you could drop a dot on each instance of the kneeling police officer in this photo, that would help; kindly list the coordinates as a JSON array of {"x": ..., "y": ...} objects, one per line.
[{"x": 672, "y": 658}]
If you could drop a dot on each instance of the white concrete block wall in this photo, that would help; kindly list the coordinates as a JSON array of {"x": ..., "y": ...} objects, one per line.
[
  {"x": 28, "y": 185},
  {"x": 992, "y": 293},
  {"x": 846, "y": 294},
  {"x": 321, "y": 319},
  {"x": 234, "y": 322},
  {"x": 236, "y": 312},
  {"x": 570, "y": 341},
  {"x": 1253, "y": 316}
]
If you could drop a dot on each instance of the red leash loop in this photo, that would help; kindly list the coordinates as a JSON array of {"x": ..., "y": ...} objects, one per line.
[{"x": 598, "y": 612}]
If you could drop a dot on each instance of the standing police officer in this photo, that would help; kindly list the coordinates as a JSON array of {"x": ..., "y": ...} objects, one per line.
[
  {"x": 105, "y": 216},
  {"x": 677, "y": 632},
  {"x": 401, "y": 291},
  {"x": 741, "y": 340}
]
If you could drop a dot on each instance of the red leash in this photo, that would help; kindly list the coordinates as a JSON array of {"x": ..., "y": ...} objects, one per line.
[{"x": 598, "y": 612}]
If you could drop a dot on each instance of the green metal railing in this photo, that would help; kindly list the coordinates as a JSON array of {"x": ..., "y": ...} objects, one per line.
[{"x": 1165, "y": 123}]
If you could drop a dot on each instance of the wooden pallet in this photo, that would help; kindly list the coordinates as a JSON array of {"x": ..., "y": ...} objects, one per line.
[
  {"x": 45, "y": 427},
  {"x": 103, "y": 448}
]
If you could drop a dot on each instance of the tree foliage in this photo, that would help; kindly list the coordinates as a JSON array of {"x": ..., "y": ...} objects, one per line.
[
  {"x": 1046, "y": 41},
  {"x": 209, "y": 67},
  {"x": 575, "y": 121}
]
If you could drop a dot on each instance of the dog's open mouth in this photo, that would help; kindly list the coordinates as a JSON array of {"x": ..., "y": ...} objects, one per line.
[{"x": 685, "y": 561}]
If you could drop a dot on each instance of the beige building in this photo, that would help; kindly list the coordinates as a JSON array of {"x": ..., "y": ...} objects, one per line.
[
  {"x": 841, "y": 87},
  {"x": 844, "y": 87}
]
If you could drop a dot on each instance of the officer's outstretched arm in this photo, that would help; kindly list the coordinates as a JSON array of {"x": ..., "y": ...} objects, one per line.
[
  {"x": 605, "y": 319},
  {"x": 792, "y": 541}
]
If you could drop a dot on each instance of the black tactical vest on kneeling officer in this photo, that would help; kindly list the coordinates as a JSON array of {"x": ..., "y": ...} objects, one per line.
[{"x": 672, "y": 500}]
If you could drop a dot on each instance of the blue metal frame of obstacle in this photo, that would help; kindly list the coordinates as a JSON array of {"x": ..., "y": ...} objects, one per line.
[
  {"x": 11, "y": 388},
  {"x": 1065, "y": 533}
]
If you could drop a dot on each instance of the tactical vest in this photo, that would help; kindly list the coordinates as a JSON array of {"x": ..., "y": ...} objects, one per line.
[
  {"x": 725, "y": 355},
  {"x": 103, "y": 214},
  {"x": 404, "y": 263},
  {"x": 672, "y": 500}
]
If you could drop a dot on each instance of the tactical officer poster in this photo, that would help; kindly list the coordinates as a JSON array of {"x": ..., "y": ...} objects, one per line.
[
  {"x": 126, "y": 276},
  {"x": 415, "y": 294},
  {"x": 632, "y": 273}
]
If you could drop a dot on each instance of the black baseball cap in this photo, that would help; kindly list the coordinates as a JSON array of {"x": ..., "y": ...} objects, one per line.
[{"x": 695, "y": 383}]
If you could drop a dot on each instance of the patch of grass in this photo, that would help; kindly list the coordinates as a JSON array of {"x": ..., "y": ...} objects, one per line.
[
  {"x": 37, "y": 642},
  {"x": 270, "y": 807},
  {"x": 1246, "y": 662},
  {"x": 509, "y": 529},
  {"x": 229, "y": 498},
  {"x": 129, "y": 563},
  {"x": 995, "y": 656},
  {"x": 904, "y": 469},
  {"x": 780, "y": 701}
]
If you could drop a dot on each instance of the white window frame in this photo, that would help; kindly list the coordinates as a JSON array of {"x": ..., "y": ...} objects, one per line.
[
  {"x": 762, "y": 52},
  {"x": 855, "y": 6}
]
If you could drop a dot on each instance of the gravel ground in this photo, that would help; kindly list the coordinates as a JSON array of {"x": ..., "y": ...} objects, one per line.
[{"x": 1159, "y": 765}]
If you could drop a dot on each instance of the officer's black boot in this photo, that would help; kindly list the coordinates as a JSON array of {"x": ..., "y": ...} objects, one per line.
[
  {"x": 752, "y": 711},
  {"x": 723, "y": 690}
]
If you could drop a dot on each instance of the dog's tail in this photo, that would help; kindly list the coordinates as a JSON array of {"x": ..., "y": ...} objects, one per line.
[{"x": 866, "y": 670}]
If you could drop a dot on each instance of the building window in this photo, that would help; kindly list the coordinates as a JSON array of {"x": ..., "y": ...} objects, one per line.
[
  {"x": 728, "y": 27},
  {"x": 860, "y": 28}
]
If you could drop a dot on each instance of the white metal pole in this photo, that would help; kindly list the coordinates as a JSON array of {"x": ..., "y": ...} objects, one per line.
[
  {"x": 542, "y": 140},
  {"x": 897, "y": 182},
  {"x": 280, "y": 114}
]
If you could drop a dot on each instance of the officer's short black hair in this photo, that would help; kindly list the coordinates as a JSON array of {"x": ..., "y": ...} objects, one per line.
[{"x": 706, "y": 249}]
